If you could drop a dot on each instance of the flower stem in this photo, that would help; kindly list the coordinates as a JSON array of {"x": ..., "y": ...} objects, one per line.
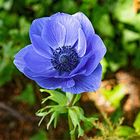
[
  {"x": 72, "y": 135},
  {"x": 72, "y": 100}
]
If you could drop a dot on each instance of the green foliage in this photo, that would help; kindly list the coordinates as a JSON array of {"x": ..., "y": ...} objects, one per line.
[
  {"x": 55, "y": 96},
  {"x": 118, "y": 26},
  {"x": 137, "y": 124},
  {"x": 124, "y": 131},
  {"x": 115, "y": 95},
  {"x": 115, "y": 131},
  {"x": 70, "y": 96},
  {"x": 136, "y": 61},
  {"x": 76, "y": 114},
  {"x": 40, "y": 135},
  {"x": 27, "y": 95},
  {"x": 104, "y": 66},
  {"x": 65, "y": 104}
]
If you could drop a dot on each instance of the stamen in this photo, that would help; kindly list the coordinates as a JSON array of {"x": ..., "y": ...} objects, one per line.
[{"x": 65, "y": 59}]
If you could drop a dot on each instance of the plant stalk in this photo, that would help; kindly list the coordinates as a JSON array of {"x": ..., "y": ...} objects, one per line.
[
  {"x": 72, "y": 100},
  {"x": 72, "y": 135}
]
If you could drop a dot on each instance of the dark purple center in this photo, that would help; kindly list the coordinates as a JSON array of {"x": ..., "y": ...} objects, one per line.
[{"x": 65, "y": 59}]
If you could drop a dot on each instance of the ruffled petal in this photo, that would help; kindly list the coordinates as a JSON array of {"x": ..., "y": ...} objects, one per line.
[
  {"x": 81, "y": 48},
  {"x": 37, "y": 26},
  {"x": 53, "y": 83},
  {"x": 19, "y": 61},
  {"x": 86, "y": 83},
  {"x": 54, "y": 34},
  {"x": 81, "y": 66},
  {"x": 86, "y": 24},
  {"x": 71, "y": 25},
  {"x": 41, "y": 47},
  {"x": 97, "y": 46},
  {"x": 36, "y": 62}
]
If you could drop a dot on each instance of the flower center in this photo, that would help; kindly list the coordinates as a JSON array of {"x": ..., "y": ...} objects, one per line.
[{"x": 65, "y": 59}]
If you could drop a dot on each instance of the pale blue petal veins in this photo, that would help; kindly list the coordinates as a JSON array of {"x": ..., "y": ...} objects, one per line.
[
  {"x": 85, "y": 23},
  {"x": 36, "y": 62},
  {"x": 99, "y": 50},
  {"x": 51, "y": 83},
  {"x": 54, "y": 34},
  {"x": 71, "y": 25},
  {"x": 37, "y": 26},
  {"x": 41, "y": 47},
  {"x": 19, "y": 58},
  {"x": 86, "y": 83},
  {"x": 82, "y": 44}
]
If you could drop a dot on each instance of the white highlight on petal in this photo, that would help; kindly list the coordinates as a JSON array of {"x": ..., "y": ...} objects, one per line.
[{"x": 82, "y": 44}]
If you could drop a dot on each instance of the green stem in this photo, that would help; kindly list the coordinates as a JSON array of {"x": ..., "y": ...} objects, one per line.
[
  {"x": 72, "y": 135},
  {"x": 72, "y": 100}
]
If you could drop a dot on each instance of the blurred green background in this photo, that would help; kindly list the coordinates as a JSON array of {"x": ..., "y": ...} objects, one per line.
[{"x": 116, "y": 21}]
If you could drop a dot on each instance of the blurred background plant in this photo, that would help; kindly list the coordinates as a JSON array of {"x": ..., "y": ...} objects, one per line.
[{"x": 118, "y": 24}]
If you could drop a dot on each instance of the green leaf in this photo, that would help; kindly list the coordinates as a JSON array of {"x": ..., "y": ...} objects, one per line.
[
  {"x": 88, "y": 123},
  {"x": 104, "y": 66},
  {"x": 115, "y": 95},
  {"x": 55, "y": 96},
  {"x": 56, "y": 120},
  {"x": 40, "y": 114},
  {"x": 129, "y": 35},
  {"x": 131, "y": 47},
  {"x": 76, "y": 114},
  {"x": 108, "y": 30},
  {"x": 77, "y": 98},
  {"x": 124, "y": 131},
  {"x": 136, "y": 61},
  {"x": 80, "y": 131},
  {"x": 27, "y": 95},
  {"x": 69, "y": 96},
  {"x": 72, "y": 113},
  {"x": 53, "y": 116},
  {"x": 40, "y": 135},
  {"x": 115, "y": 116},
  {"x": 55, "y": 110},
  {"x": 137, "y": 123},
  {"x": 73, "y": 117},
  {"x": 124, "y": 11}
]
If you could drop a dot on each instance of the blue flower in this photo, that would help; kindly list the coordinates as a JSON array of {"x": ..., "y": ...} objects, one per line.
[{"x": 64, "y": 53}]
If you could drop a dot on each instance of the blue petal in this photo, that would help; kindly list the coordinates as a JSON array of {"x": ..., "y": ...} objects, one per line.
[
  {"x": 54, "y": 34},
  {"x": 86, "y": 24},
  {"x": 81, "y": 48},
  {"x": 36, "y": 62},
  {"x": 71, "y": 25},
  {"x": 89, "y": 62},
  {"x": 41, "y": 47},
  {"x": 86, "y": 83},
  {"x": 32, "y": 74},
  {"x": 97, "y": 46},
  {"x": 19, "y": 61},
  {"x": 81, "y": 66},
  {"x": 53, "y": 83},
  {"x": 37, "y": 26}
]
